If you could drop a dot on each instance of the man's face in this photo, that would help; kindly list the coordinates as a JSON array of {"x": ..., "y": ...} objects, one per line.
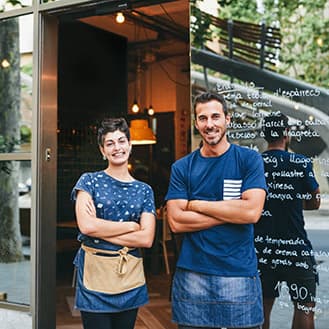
[{"x": 211, "y": 122}]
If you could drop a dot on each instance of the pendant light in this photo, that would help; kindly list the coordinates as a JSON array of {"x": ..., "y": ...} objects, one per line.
[
  {"x": 141, "y": 133},
  {"x": 135, "y": 106},
  {"x": 150, "y": 110}
]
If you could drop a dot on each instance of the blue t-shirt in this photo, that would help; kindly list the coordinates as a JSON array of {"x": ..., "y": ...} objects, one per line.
[
  {"x": 115, "y": 200},
  {"x": 280, "y": 233},
  {"x": 228, "y": 249},
  {"x": 118, "y": 201}
]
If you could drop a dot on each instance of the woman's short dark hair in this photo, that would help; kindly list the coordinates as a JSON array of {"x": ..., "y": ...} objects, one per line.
[
  {"x": 207, "y": 97},
  {"x": 109, "y": 125},
  {"x": 275, "y": 127}
]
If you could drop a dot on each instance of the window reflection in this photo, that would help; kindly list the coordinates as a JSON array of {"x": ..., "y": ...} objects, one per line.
[
  {"x": 6, "y": 5},
  {"x": 16, "y": 42},
  {"x": 15, "y": 201},
  {"x": 232, "y": 54},
  {"x": 16, "y": 84}
]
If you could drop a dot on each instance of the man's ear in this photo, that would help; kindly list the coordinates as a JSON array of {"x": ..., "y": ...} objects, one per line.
[
  {"x": 227, "y": 119},
  {"x": 195, "y": 125}
]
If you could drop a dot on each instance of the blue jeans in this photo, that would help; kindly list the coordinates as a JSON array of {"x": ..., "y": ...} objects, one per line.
[{"x": 211, "y": 301}]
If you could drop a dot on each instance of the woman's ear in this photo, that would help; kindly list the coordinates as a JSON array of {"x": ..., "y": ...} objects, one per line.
[{"x": 101, "y": 149}]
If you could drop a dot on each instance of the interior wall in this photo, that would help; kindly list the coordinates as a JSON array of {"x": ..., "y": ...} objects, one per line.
[{"x": 92, "y": 84}]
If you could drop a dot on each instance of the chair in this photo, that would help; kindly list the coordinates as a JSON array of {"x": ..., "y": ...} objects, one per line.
[{"x": 165, "y": 236}]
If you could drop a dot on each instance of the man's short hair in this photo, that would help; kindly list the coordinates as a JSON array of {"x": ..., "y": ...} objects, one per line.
[
  {"x": 275, "y": 127},
  {"x": 208, "y": 97}
]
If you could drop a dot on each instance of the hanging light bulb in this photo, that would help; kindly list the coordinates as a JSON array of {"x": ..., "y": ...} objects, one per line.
[
  {"x": 135, "y": 107},
  {"x": 150, "y": 110},
  {"x": 120, "y": 18}
]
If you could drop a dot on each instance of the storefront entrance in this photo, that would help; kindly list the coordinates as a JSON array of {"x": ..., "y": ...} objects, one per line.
[{"x": 95, "y": 68}]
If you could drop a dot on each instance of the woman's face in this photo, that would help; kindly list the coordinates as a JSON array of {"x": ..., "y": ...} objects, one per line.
[{"x": 116, "y": 148}]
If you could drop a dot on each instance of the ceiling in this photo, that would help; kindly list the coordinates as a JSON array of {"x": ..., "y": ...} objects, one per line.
[{"x": 156, "y": 31}]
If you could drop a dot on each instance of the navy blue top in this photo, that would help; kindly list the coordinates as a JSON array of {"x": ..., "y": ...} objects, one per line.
[
  {"x": 117, "y": 201},
  {"x": 226, "y": 250}
]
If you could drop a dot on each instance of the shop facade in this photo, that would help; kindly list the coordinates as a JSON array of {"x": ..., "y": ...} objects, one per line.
[{"x": 66, "y": 64}]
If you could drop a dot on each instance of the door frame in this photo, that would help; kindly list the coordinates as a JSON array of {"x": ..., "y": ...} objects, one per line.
[
  {"x": 44, "y": 210},
  {"x": 44, "y": 171}
]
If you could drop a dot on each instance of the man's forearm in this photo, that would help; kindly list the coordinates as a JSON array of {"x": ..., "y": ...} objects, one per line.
[
  {"x": 242, "y": 211},
  {"x": 190, "y": 221}
]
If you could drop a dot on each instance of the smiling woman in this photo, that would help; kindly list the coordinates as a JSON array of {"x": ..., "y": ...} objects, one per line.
[{"x": 115, "y": 215}]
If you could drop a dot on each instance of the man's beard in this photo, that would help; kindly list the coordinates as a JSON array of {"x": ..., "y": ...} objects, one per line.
[{"x": 216, "y": 141}]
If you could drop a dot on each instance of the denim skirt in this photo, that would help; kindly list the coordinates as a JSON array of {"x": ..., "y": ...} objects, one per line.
[{"x": 204, "y": 300}]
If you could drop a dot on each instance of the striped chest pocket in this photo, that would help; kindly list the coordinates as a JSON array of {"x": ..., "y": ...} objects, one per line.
[{"x": 232, "y": 189}]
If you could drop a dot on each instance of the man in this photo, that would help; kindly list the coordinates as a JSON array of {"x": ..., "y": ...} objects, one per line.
[
  {"x": 215, "y": 195},
  {"x": 284, "y": 251}
]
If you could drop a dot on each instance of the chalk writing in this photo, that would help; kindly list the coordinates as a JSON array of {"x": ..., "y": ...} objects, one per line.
[
  {"x": 304, "y": 196},
  {"x": 279, "y": 242},
  {"x": 287, "y": 253},
  {"x": 265, "y": 114},
  {"x": 308, "y": 309},
  {"x": 242, "y": 125},
  {"x": 321, "y": 161},
  {"x": 298, "y": 160},
  {"x": 299, "y": 134},
  {"x": 280, "y": 186},
  {"x": 289, "y": 174},
  {"x": 242, "y": 135},
  {"x": 266, "y": 213},
  {"x": 284, "y": 262},
  {"x": 316, "y": 122},
  {"x": 297, "y": 92},
  {"x": 279, "y": 196},
  {"x": 268, "y": 159}
]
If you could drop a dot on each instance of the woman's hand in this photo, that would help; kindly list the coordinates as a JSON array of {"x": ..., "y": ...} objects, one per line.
[{"x": 143, "y": 237}]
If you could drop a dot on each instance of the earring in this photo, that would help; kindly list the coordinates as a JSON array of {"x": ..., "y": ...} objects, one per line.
[{"x": 104, "y": 157}]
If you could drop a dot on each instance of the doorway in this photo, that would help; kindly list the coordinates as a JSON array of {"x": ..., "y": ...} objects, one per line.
[{"x": 101, "y": 68}]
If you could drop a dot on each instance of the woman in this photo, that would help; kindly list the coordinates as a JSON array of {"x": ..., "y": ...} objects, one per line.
[{"x": 113, "y": 211}]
